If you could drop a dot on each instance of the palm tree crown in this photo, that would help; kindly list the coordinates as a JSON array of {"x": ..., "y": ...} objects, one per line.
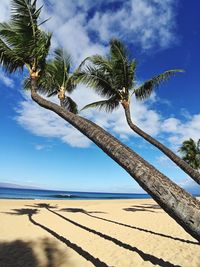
[
  {"x": 22, "y": 42},
  {"x": 57, "y": 80},
  {"x": 190, "y": 151},
  {"x": 113, "y": 77}
]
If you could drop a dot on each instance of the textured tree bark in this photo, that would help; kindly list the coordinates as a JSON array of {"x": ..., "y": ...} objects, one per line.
[
  {"x": 180, "y": 205},
  {"x": 177, "y": 160}
]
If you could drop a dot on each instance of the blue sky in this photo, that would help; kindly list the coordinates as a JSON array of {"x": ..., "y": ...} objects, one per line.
[{"x": 40, "y": 149}]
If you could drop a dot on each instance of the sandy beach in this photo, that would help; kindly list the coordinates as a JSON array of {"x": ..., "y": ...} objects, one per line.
[{"x": 78, "y": 233}]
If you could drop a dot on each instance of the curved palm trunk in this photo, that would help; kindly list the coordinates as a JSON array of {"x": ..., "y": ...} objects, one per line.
[
  {"x": 177, "y": 160},
  {"x": 180, "y": 205}
]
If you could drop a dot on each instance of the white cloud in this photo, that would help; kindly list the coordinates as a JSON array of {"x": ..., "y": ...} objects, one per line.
[
  {"x": 5, "y": 10},
  {"x": 148, "y": 23},
  {"x": 165, "y": 162},
  {"x": 179, "y": 131},
  {"x": 68, "y": 24},
  {"x": 40, "y": 147},
  {"x": 6, "y": 80},
  {"x": 45, "y": 123},
  {"x": 74, "y": 24},
  {"x": 170, "y": 125}
]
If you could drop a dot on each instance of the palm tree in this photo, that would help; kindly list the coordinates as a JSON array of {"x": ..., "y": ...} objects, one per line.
[
  {"x": 113, "y": 77},
  {"x": 179, "y": 204},
  {"x": 22, "y": 43},
  {"x": 57, "y": 80},
  {"x": 190, "y": 151}
]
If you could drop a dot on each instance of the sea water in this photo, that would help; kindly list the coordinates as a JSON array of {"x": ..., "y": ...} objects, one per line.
[{"x": 13, "y": 193}]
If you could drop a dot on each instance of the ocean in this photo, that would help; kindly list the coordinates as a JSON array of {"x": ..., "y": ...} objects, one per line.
[{"x": 13, "y": 193}]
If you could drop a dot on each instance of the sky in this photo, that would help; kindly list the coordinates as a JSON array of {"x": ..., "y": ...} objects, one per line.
[{"x": 40, "y": 149}]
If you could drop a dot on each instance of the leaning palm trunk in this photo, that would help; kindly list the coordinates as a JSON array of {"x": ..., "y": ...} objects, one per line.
[
  {"x": 180, "y": 205},
  {"x": 195, "y": 175}
]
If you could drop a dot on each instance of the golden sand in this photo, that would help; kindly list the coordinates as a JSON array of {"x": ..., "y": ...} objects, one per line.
[{"x": 79, "y": 233}]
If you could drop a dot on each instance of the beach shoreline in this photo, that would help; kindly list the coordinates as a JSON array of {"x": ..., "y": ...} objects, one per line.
[{"x": 59, "y": 233}]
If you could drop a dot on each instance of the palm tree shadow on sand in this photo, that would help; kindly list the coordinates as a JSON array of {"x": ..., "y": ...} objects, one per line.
[
  {"x": 76, "y": 210},
  {"x": 79, "y": 250},
  {"x": 144, "y": 207},
  {"x": 145, "y": 256},
  {"x": 17, "y": 254},
  {"x": 20, "y": 253}
]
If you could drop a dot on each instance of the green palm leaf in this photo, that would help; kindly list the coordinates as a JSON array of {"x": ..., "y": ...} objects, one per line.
[
  {"x": 109, "y": 105},
  {"x": 111, "y": 76},
  {"x": 70, "y": 105},
  {"x": 98, "y": 79},
  {"x": 101, "y": 62},
  {"x": 21, "y": 40},
  {"x": 8, "y": 59},
  {"x": 71, "y": 83},
  {"x": 53, "y": 93},
  {"x": 123, "y": 69},
  {"x": 191, "y": 153},
  {"x": 61, "y": 65},
  {"x": 117, "y": 50},
  {"x": 41, "y": 50},
  {"x": 145, "y": 90},
  {"x": 27, "y": 84}
]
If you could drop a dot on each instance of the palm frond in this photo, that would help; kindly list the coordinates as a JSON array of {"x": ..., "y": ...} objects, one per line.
[
  {"x": 52, "y": 93},
  {"x": 27, "y": 84},
  {"x": 71, "y": 83},
  {"x": 22, "y": 39},
  {"x": 131, "y": 74},
  {"x": 70, "y": 105},
  {"x": 47, "y": 84},
  {"x": 117, "y": 50},
  {"x": 82, "y": 64},
  {"x": 24, "y": 20},
  {"x": 9, "y": 34},
  {"x": 123, "y": 68},
  {"x": 190, "y": 153},
  {"x": 62, "y": 65},
  {"x": 42, "y": 47},
  {"x": 62, "y": 56},
  {"x": 24, "y": 14},
  {"x": 188, "y": 145},
  {"x": 97, "y": 79},
  {"x": 145, "y": 90},
  {"x": 57, "y": 69},
  {"x": 103, "y": 63},
  {"x": 108, "y": 105},
  {"x": 8, "y": 59}
]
